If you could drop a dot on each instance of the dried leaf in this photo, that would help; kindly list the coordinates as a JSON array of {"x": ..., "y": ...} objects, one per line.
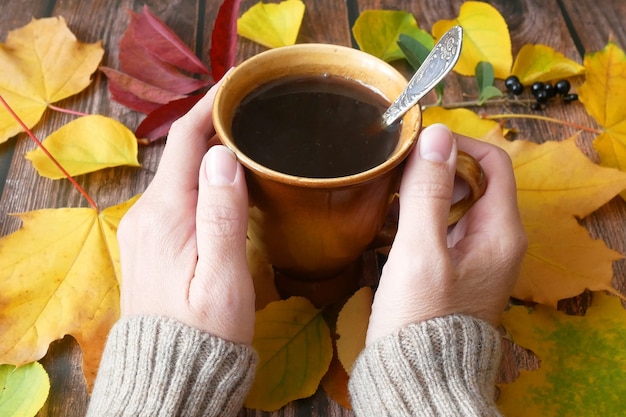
[
  {"x": 224, "y": 38},
  {"x": 138, "y": 61},
  {"x": 86, "y": 144},
  {"x": 335, "y": 383},
  {"x": 485, "y": 38},
  {"x": 42, "y": 63},
  {"x": 295, "y": 350},
  {"x": 152, "y": 64},
  {"x": 583, "y": 361},
  {"x": 542, "y": 63},
  {"x": 59, "y": 275},
  {"x": 377, "y": 32},
  {"x": 352, "y": 326},
  {"x": 136, "y": 94},
  {"x": 23, "y": 390},
  {"x": 158, "y": 122},
  {"x": 262, "y": 275},
  {"x": 462, "y": 121},
  {"x": 162, "y": 42},
  {"x": 556, "y": 183},
  {"x": 603, "y": 94},
  {"x": 272, "y": 24}
]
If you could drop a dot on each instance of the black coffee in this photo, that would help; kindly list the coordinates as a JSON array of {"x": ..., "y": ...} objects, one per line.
[{"x": 316, "y": 127}]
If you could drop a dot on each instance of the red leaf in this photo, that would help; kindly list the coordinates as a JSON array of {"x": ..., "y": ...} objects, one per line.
[
  {"x": 163, "y": 43},
  {"x": 224, "y": 38},
  {"x": 158, "y": 122},
  {"x": 136, "y": 94},
  {"x": 139, "y": 63}
]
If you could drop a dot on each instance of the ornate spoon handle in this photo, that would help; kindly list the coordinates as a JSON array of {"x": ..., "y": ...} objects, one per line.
[{"x": 436, "y": 66}]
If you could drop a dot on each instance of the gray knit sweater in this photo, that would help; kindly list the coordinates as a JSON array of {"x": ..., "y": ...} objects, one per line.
[{"x": 159, "y": 367}]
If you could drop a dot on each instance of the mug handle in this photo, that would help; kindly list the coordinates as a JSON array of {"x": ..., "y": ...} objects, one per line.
[{"x": 469, "y": 170}]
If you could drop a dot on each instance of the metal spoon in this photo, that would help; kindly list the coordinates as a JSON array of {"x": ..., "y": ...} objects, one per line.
[{"x": 437, "y": 65}]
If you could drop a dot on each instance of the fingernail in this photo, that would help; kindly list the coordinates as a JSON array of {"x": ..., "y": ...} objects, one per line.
[
  {"x": 221, "y": 166},
  {"x": 435, "y": 143}
]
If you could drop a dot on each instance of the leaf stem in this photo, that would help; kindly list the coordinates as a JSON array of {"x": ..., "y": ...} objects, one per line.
[
  {"x": 62, "y": 110},
  {"x": 542, "y": 118},
  {"x": 49, "y": 155}
]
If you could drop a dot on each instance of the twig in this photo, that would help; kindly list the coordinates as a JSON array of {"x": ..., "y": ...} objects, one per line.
[{"x": 49, "y": 155}]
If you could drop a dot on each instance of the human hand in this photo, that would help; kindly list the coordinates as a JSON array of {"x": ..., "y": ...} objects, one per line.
[
  {"x": 471, "y": 270},
  {"x": 183, "y": 243}
]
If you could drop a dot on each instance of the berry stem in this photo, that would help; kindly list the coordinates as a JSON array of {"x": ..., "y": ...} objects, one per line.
[
  {"x": 542, "y": 118},
  {"x": 49, "y": 155},
  {"x": 62, "y": 110},
  {"x": 476, "y": 103}
]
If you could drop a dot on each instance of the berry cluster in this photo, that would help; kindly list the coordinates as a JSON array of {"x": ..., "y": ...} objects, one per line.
[{"x": 542, "y": 92}]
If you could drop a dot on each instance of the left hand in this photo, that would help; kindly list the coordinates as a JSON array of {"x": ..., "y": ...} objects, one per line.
[{"x": 183, "y": 243}]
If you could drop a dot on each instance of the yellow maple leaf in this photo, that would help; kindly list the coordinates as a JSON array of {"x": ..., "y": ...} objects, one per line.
[
  {"x": 352, "y": 324},
  {"x": 23, "y": 390},
  {"x": 485, "y": 38},
  {"x": 603, "y": 94},
  {"x": 42, "y": 63},
  {"x": 60, "y": 275},
  {"x": 272, "y": 25},
  {"x": 557, "y": 183},
  {"x": 295, "y": 350},
  {"x": 86, "y": 144},
  {"x": 542, "y": 63},
  {"x": 583, "y": 361}
]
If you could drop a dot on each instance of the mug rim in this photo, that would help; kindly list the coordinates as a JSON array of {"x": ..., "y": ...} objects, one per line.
[{"x": 398, "y": 155}]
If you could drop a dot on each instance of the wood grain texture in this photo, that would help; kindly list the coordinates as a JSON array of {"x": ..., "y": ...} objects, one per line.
[{"x": 572, "y": 27}]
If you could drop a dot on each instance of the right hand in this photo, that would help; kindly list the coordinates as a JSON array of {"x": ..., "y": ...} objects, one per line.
[{"x": 471, "y": 270}]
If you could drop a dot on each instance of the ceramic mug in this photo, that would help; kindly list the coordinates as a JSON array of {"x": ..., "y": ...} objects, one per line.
[{"x": 313, "y": 229}]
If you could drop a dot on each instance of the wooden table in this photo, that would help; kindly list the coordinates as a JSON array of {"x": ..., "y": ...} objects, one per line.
[{"x": 571, "y": 27}]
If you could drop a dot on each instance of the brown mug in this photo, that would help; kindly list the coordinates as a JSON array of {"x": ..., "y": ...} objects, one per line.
[{"x": 312, "y": 230}]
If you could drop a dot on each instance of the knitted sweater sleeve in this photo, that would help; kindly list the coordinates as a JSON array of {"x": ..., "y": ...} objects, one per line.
[
  {"x": 440, "y": 367},
  {"x": 154, "y": 366}
]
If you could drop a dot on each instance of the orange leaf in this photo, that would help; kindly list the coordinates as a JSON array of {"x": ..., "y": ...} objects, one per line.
[
  {"x": 60, "y": 275},
  {"x": 42, "y": 63},
  {"x": 295, "y": 350},
  {"x": 335, "y": 383},
  {"x": 262, "y": 275}
]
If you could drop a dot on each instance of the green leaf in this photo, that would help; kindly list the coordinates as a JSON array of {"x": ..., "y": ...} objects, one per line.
[
  {"x": 485, "y": 79},
  {"x": 295, "y": 350},
  {"x": 415, "y": 53},
  {"x": 23, "y": 390},
  {"x": 583, "y": 361},
  {"x": 377, "y": 32}
]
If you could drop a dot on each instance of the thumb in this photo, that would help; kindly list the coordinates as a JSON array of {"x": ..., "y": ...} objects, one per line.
[
  {"x": 426, "y": 190},
  {"x": 221, "y": 215}
]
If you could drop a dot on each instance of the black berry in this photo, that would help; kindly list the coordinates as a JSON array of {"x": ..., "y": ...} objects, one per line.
[
  {"x": 562, "y": 87},
  {"x": 510, "y": 81},
  {"x": 536, "y": 87},
  {"x": 541, "y": 96},
  {"x": 536, "y": 106},
  {"x": 570, "y": 97},
  {"x": 550, "y": 90},
  {"x": 517, "y": 89}
]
